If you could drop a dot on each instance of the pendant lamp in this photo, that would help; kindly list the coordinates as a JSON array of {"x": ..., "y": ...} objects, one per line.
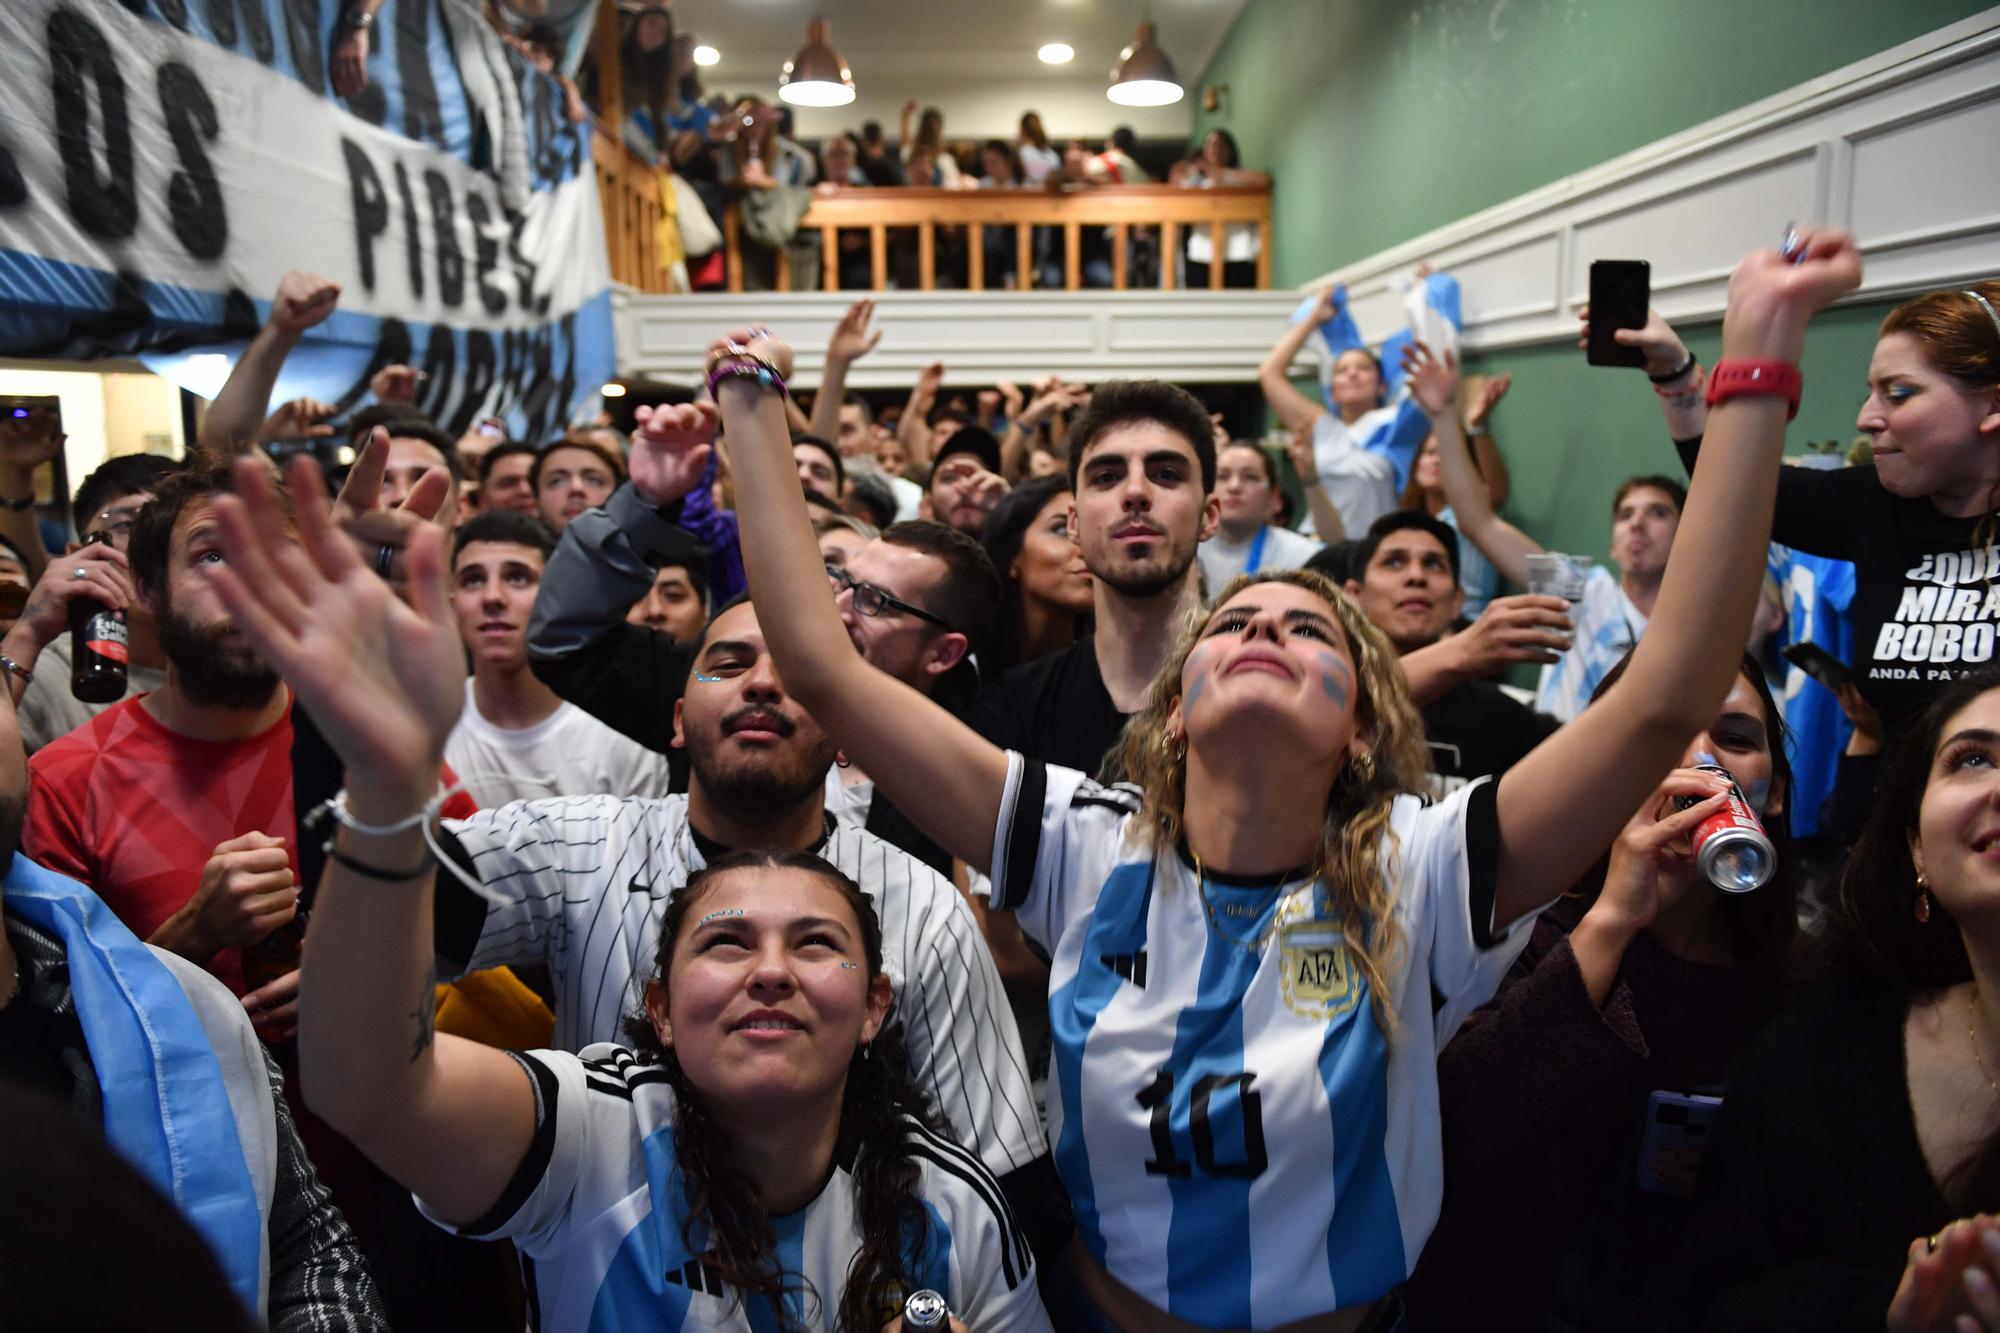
[
  {"x": 1145, "y": 74},
  {"x": 816, "y": 76}
]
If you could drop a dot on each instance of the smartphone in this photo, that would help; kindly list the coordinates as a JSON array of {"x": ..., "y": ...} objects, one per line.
[
  {"x": 1820, "y": 664},
  {"x": 1673, "y": 1120},
  {"x": 18, "y": 406},
  {"x": 1620, "y": 292}
]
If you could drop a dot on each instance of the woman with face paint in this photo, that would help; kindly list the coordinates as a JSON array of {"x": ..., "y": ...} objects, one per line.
[
  {"x": 1258, "y": 948},
  {"x": 1645, "y": 977},
  {"x": 1919, "y": 521},
  {"x": 1853, "y": 1175}
]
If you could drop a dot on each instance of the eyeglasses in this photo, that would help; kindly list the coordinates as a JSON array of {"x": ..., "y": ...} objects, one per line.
[
  {"x": 116, "y": 523},
  {"x": 871, "y": 601}
]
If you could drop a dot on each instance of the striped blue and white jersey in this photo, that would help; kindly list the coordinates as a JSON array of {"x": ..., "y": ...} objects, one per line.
[
  {"x": 599, "y": 1202},
  {"x": 1242, "y": 1145},
  {"x": 1607, "y": 625}
]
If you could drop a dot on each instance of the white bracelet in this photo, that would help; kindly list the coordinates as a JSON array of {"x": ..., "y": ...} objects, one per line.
[{"x": 337, "y": 808}]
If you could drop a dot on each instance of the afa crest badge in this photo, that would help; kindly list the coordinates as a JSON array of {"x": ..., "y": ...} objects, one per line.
[{"x": 1320, "y": 980}]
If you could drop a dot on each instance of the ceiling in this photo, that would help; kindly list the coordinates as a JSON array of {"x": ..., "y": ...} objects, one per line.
[{"x": 962, "y": 52}]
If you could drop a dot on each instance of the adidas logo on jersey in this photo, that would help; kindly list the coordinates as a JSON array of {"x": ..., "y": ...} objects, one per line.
[
  {"x": 697, "y": 1276},
  {"x": 1131, "y": 966}
]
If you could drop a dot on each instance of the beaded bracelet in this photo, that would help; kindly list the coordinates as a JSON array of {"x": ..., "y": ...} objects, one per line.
[{"x": 746, "y": 368}]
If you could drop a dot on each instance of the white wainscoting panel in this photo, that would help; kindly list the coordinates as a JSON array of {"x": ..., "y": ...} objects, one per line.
[
  {"x": 1903, "y": 148},
  {"x": 982, "y": 337}
]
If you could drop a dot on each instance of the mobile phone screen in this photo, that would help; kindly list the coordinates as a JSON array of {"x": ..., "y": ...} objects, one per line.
[{"x": 1620, "y": 291}]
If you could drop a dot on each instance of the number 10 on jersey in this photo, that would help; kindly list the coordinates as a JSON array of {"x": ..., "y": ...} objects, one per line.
[{"x": 1222, "y": 1102}]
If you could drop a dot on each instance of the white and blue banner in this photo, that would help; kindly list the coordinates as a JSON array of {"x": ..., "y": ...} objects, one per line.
[{"x": 163, "y": 163}]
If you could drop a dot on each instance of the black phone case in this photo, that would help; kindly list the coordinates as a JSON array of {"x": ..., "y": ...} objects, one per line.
[{"x": 1613, "y": 284}]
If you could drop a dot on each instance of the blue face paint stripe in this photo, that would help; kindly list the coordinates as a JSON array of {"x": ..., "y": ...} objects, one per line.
[{"x": 1117, "y": 926}]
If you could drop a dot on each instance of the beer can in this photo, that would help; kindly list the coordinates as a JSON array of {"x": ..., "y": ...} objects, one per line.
[{"x": 1730, "y": 847}]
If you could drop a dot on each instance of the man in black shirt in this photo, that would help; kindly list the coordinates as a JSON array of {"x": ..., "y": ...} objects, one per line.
[
  {"x": 1408, "y": 586},
  {"x": 1142, "y": 466}
]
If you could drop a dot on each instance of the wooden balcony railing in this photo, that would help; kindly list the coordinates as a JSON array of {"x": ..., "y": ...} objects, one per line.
[
  {"x": 629, "y": 189},
  {"x": 1117, "y": 208}
]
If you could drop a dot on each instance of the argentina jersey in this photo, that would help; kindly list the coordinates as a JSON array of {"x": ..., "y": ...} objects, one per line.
[
  {"x": 1607, "y": 625},
  {"x": 1242, "y": 1145},
  {"x": 598, "y": 1203}
]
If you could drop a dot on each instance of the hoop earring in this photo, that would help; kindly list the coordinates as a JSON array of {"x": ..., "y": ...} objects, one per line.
[
  {"x": 1170, "y": 752},
  {"x": 1923, "y": 902}
]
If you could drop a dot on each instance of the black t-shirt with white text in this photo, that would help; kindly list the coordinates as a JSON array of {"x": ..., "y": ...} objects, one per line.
[
  {"x": 1477, "y": 728},
  {"x": 1926, "y": 586}
]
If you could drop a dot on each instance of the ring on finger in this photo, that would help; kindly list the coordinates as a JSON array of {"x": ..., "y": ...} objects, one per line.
[{"x": 79, "y": 573}]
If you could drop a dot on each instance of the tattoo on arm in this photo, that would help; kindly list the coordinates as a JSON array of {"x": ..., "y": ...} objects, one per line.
[{"x": 424, "y": 1016}]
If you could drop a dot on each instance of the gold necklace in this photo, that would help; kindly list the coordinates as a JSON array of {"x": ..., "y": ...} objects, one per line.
[
  {"x": 1972, "y": 1035},
  {"x": 1251, "y": 946}
]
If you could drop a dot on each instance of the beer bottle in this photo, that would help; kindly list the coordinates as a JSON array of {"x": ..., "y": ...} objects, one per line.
[
  {"x": 274, "y": 955},
  {"x": 96, "y": 647}
]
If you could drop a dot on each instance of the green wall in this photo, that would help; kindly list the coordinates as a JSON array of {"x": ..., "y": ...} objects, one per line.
[{"x": 1381, "y": 120}]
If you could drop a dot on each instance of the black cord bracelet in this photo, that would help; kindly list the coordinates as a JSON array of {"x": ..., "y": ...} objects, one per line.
[
  {"x": 360, "y": 867},
  {"x": 1674, "y": 374}
]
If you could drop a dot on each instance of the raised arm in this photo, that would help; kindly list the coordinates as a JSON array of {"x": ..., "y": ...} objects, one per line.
[
  {"x": 1294, "y": 409},
  {"x": 1485, "y": 453},
  {"x": 237, "y": 414},
  {"x": 942, "y": 773},
  {"x": 448, "y": 1119},
  {"x": 851, "y": 341},
  {"x": 914, "y": 427},
  {"x": 1328, "y": 526},
  {"x": 1433, "y": 383},
  {"x": 1676, "y": 376},
  {"x": 1563, "y": 804}
]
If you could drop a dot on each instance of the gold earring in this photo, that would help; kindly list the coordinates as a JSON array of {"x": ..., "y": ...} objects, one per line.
[
  {"x": 1364, "y": 767},
  {"x": 1923, "y": 900},
  {"x": 1170, "y": 752}
]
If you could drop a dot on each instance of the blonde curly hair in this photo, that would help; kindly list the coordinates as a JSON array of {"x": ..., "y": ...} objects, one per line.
[{"x": 1349, "y": 860}]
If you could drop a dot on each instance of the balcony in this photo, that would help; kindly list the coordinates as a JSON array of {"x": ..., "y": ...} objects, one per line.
[{"x": 1211, "y": 336}]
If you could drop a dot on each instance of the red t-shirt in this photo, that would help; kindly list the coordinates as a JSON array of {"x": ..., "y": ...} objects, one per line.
[{"x": 135, "y": 811}]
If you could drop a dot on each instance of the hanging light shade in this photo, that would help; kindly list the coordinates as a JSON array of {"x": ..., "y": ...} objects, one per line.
[
  {"x": 1145, "y": 74},
  {"x": 816, "y": 76}
]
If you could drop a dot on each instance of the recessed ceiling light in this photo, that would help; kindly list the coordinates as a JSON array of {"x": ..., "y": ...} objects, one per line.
[
  {"x": 1057, "y": 53},
  {"x": 707, "y": 55},
  {"x": 613, "y": 390}
]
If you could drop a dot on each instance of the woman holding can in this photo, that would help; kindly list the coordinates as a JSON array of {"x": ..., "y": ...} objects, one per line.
[{"x": 1647, "y": 978}]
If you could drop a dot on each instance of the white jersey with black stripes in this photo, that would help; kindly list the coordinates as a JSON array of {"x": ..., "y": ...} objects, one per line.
[
  {"x": 600, "y": 1205},
  {"x": 582, "y": 884}
]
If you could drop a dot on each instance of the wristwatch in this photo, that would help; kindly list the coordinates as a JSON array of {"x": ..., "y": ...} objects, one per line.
[{"x": 357, "y": 19}]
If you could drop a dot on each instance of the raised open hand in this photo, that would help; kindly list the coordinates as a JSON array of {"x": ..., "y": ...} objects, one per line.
[
  {"x": 852, "y": 338},
  {"x": 671, "y": 447},
  {"x": 383, "y": 680},
  {"x": 1490, "y": 393},
  {"x": 1433, "y": 379}
]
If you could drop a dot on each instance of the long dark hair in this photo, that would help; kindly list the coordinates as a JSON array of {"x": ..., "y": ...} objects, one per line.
[
  {"x": 649, "y": 75},
  {"x": 1873, "y": 933},
  {"x": 1006, "y": 532},
  {"x": 878, "y": 1098},
  {"x": 1758, "y": 928}
]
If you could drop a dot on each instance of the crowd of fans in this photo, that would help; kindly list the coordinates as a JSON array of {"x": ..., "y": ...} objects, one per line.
[
  {"x": 1024, "y": 846},
  {"x": 743, "y": 151}
]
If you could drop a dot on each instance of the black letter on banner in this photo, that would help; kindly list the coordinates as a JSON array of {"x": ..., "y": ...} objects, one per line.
[
  {"x": 421, "y": 116},
  {"x": 222, "y": 22},
  {"x": 444, "y": 219},
  {"x": 413, "y": 240},
  {"x": 174, "y": 12},
  {"x": 106, "y": 206},
  {"x": 392, "y": 348},
  {"x": 524, "y": 268},
  {"x": 478, "y": 383},
  {"x": 302, "y": 26},
  {"x": 486, "y": 250},
  {"x": 540, "y": 405},
  {"x": 441, "y": 364},
  {"x": 14, "y": 187},
  {"x": 371, "y": 208},
  {"x": 566, "y": 390},
  {"x": 194, "y": 200}
]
